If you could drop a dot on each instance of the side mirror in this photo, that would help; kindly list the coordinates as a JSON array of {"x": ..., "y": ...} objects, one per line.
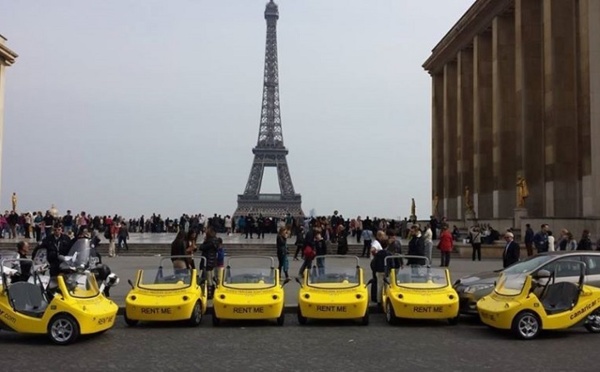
[
  {"x": 130, "y": 283},
  {"x": 386, "y": 281},
  {"x": 369, "y": 283},
  {"x": 542, "y": 274},
  {"x": 286, "y": 281},
  {"x": 299, "y": 281}
]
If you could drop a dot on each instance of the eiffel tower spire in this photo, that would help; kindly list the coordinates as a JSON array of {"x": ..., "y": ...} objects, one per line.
[{"x": 270, "y": 150}]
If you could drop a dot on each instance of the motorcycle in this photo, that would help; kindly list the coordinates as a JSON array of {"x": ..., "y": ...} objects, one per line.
[{"x": 82, "y": 257}]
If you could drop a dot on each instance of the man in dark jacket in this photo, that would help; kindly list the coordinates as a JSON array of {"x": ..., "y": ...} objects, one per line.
[
  {"x": 512, "y": 250},
  {"x": 209, "y": 249},
  {"x": 540, "y": 239},
  {"x": 25, "y": 266},
  {"x": 529, "y": 239},
  {"x": 57, "y": 244},
  {"x": 416, "y": 246}
]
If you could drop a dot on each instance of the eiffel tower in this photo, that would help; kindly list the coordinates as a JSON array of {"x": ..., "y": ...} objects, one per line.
[{"x": 270, "y": 151}]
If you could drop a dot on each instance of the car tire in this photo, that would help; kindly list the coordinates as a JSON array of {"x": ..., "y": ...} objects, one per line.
[
  {"x": 196, "y": 317},
  {"x": 390, "y": 315},
  {"x": 592, "y": 323},
  {"x": 63, "y": 329},
  {"x": 215, "y": 320},
  {"x": 526, "y": 325},
  {"x": 301, "y": 319},
  {"x": 454, "y": 321},
  {"x": 365, "y": 319},
  {"x": 281, "y": 319},
  {"x": 129, "y": 322}
]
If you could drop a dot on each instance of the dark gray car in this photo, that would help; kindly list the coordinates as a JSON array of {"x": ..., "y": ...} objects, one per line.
[{"x": 473, "y": 287}]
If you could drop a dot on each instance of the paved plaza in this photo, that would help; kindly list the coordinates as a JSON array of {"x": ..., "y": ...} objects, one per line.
[{"x": 318, "y": 346}]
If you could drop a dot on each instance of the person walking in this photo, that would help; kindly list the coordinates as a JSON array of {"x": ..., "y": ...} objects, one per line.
[
  {"x": 475, "y": 235},
  {"x": 299, "y": 243},
  {"x": 122, "y": 236},
  {"x": 445, "y": 246},
  {"x": 367, "y": 236},
  {"x": 209, "y": 249},
  {"x": 529, "y": 239},
  {"x": 282, "y": 252},
  {"x": 585, "y": 244}
]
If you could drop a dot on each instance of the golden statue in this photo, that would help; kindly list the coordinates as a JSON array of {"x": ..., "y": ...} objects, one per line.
[
  {"x": 14, "y": 201},
  {"x": 522, "y": 191},
  {"x": 436, "y": 204},
  {"x": 413, "y": 208},
  {"x": 468, "y": 200}
]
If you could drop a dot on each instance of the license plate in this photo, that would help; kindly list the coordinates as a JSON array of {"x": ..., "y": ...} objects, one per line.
[{"x": 248, "y": 310}]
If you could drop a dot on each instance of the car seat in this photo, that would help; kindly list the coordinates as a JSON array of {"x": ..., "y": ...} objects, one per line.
[
  {"x": 559, "y": 297},
  {"x": 28, "y": 299}
]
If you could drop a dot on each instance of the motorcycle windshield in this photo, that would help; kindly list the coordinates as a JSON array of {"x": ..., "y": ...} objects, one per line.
[
  {"x": 80, "y": 253},
  {"x": 81, "y": 285}
]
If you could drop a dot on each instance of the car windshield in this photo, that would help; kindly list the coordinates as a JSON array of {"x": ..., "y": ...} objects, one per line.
[
  {"x": 510, "y": 284},
  {"x": 81, "y": 285},
  {"x": 165, "y": 278},
  {"x": 249, "y": 273},
  {"x": 528, "y": 265},
  {"x": 421, "y": 277},
  {"x": 334, "y": 272}
]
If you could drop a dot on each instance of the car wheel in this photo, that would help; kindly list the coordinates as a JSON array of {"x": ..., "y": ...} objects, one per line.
[
  {"x": 526, "y": 325},
  {"x": 281, "y": 318},
  {"x": 592, "y": 323},
  {"x": 63, "y": 329},
  {"x": 365, "y": 319},
  {"x": 301, "y": 319},
  {"x": 196, "y": 317},
  {"x": 215, "y": 320},
  {"x": 390, "y": 315},
  {"x": 454, "y": 321},
  {"x": 130, "y": 322}
]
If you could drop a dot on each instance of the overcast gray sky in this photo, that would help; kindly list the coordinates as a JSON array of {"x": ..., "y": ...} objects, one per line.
[{"x": 141, "y": 106}]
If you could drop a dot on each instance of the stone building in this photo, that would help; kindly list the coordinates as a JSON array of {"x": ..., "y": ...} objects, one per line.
[
  {"x": 7, "y": 58},
  {"x": 516, "y": 91}
]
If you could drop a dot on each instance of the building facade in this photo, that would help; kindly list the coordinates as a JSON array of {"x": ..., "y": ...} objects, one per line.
[
  {"x": 7, "y": 58},
  {"x": 516, "y": 92}
]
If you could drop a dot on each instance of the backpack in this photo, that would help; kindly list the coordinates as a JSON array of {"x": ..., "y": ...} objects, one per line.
[{"x": 309, "y": 253}]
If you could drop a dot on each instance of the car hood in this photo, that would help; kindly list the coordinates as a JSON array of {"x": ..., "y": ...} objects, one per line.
[{"x": 479, "y": 278}]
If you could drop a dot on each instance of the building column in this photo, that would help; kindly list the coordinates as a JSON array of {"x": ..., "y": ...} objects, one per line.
[
  {"x": 482, "y": 126},
  {"x": 450, "y": 192},
  {"x": 584, "y": 146},
  {"x": 593, "y": 45},
  {"x": 530, "y": 100},
  {"x": 464, "y": 130},
  {"x": 560, "y": 89},
  {"x": 2, "y": 82},
  {"x": 505, "y": 148},
  {"x": 437, "y": 140}
]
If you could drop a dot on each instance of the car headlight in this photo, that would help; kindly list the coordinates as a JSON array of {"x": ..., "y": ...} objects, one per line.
[{"x": 478, "y": 287}]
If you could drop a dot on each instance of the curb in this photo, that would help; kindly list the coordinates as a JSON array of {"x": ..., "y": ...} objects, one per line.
[{"x": 288, "y": 309}]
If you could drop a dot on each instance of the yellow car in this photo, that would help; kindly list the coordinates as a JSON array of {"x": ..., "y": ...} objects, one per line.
[
  {"x": 417, "y": 291},
  {"x": 74, "y": 307},
  {"x": 249, "y": 287},
  {"x": 167, "y": 294},
  {"x": 333, "y": 288},
  {"x": 528, "y": 304}
]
